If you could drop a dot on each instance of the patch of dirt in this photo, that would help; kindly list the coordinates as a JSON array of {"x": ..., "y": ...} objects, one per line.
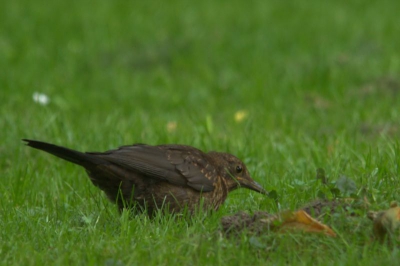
[
  {"x": 320, "y": 208},
  {"x": 240, "y": 221},
  {"x": 263, "y": 222},
  {"x": 389, "y": 129},
  {"x": 383, "y": 86},
  {"x": 318, "y": 102}
]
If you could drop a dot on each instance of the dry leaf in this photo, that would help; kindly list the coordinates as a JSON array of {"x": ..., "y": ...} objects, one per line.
[
  {"x": 386, "y": 223},
  {"x": 241, "y": 115},
  {"x": 262, "y": 222},
  {"x": 301, "y": 221},
  {"x": 171, "y": 126}
]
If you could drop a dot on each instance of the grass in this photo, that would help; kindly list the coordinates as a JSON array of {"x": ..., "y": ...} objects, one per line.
[{"x": 319, "y": 82}]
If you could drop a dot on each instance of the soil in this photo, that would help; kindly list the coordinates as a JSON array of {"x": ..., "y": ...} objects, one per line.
[{"x": 260, "y": 222}]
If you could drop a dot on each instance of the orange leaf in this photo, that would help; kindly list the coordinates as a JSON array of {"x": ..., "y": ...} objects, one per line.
[
  {"x": 386, "y": 223},
  {"x": 300, "y": 220}
]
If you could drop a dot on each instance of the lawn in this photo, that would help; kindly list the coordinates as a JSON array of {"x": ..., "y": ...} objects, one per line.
[{"x": 287, "y": 86}]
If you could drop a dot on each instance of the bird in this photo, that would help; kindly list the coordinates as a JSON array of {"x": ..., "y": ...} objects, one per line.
[{"x": 169, "y": 177}]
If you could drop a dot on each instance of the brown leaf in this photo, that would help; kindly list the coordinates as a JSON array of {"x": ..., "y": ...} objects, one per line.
[
  {"x": 301, "y": 221},
  {"x": 262, "y": 223},
  {"x": 386, "y": 223}
]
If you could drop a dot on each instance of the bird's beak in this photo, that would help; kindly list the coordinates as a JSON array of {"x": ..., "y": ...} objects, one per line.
[{"x": 253, "y": 185}]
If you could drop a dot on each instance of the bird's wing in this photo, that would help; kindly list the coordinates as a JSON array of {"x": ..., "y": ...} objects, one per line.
[
  {"x": 195, "y": 167},
  {"x": 173, "y": 163}
]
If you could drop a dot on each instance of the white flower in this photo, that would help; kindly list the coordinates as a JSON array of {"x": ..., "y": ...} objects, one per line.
[{"x": 40, "y": 98}]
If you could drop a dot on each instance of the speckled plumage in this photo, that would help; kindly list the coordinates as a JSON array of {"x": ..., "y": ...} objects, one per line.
[{"x": 171, "y": 177}]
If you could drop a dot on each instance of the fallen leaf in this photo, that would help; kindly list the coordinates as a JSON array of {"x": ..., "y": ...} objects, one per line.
[
  {"x": 301, "y": 221},
  {"x": 241, "y": 115},
  {"x": 386, "y": 223},
  {"x": 171, "y": 126},
  {"x": 262, "y": 223}
]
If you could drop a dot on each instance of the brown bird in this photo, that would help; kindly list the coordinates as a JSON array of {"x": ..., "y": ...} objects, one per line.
[{"x": 171, "y": 177}]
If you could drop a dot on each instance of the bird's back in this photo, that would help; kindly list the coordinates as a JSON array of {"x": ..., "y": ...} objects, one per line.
[{"x": 148, "y": 176}]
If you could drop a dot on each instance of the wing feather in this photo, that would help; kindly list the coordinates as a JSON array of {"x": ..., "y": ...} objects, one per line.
[{"x": 173, "y": 163}]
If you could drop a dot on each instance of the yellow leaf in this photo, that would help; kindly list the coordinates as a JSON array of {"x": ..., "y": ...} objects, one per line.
[
  {"x": 301, "y": 221},
  {"x": 240, "y": 115},
  {"x": 171, "y": 126},
  {"x": 386, "y": 223}
]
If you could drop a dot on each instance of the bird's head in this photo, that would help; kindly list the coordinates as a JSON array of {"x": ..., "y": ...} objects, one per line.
[{"x": 235, "y": 173}]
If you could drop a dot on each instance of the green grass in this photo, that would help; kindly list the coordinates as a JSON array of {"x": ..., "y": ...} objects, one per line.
[{"x": 319, "y": 81}]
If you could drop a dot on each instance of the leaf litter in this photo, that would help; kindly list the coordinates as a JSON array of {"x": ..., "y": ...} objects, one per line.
[{"x": 346, "y": 202}]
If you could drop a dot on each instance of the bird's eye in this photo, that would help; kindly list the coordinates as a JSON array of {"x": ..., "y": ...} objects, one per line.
[{"x": 239, "y": 169}]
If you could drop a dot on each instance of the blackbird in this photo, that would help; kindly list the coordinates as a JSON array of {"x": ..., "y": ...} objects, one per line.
[{"x": 168, "y": 177}]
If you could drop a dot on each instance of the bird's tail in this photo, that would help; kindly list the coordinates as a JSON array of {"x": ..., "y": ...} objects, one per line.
[{"x": 72, "y": 156}]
